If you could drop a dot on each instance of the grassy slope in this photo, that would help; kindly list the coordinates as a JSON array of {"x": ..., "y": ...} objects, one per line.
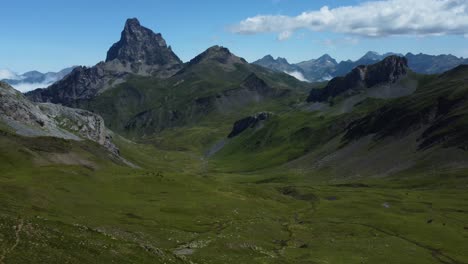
[
  {"x": 183, "y": 208},
  {"x": 104, "y": 212}
]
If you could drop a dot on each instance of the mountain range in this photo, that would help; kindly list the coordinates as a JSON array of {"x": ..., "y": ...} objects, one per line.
[
  {"x": 143, "y": 158},
  {"x": 325, "y": 67},
  {"x": 33, "y": 79}
]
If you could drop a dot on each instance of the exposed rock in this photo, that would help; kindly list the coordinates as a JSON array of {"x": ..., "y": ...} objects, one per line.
[
  {"x": 140, "y": 45},
  {"x": 45, "y": 119},
  {"x": 390, "y": 70},
  {"x": 139, "y": 51},
  {"x": 248, "y": 122}
]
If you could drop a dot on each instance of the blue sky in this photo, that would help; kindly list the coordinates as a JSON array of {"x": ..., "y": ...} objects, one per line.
[{"x": 50, "y": 35}]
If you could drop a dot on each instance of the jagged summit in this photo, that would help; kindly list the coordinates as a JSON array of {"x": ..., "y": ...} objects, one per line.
[{"x": 138, "y": 44}]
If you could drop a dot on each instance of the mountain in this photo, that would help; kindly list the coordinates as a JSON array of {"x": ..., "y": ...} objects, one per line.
[
  {"x": 232, "y": 163},
  {"x": 325, "y": 67},
  {"x": 396, "y": 122},
  {"x": 429, "y": 64},
  {"x": 33, "y": 79},
  {"x": 387, "y": 71},
  {"x": 136, "y": 102},
  {"x": 320, "y": 69},
  {"x": 139, "y": 51},
  {"x": 142, "y": 52},
  {"x": 282, "y": 65},
  {"x": 215, "y": 85}
]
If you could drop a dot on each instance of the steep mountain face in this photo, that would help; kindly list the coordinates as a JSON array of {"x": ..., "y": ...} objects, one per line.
[
  {"x": 389, "y": 70},
  {"x": 321, "y": 69},
  {"x": 278, "y": 64},
  {"x": 33, "y": 120},
  {"x": 140, "y": 51},
  {"x": 33, "y": 79}
]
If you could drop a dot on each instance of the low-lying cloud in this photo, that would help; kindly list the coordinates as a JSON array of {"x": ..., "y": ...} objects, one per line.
[
  {"x": 298, "y": 75},
  {"x": 7, "y": 74},
  {"x": 369, "y": 19},
  {"x": 26, "y": 87}
]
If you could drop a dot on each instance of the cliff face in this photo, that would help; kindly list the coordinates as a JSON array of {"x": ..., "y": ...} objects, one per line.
[{"x": 389, "y": 70}]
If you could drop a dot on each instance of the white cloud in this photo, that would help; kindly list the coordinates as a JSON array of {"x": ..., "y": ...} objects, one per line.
[
  {"x": 7, "y": 74},
  {"x": 370, "y": 19},
  {"x": 297, "y": 75},
  {"x": 26, "y": 87}
]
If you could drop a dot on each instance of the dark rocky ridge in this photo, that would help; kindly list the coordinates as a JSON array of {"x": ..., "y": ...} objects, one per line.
[{"x": 389, "y": 70}]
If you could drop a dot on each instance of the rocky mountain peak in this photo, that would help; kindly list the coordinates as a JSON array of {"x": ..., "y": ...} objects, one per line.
[
  {"x": 282, "y": 60},
  {"x": 326, "y": 57},
  {"x": 138, "y": 44},
  {"x": 371, "y": 55}
]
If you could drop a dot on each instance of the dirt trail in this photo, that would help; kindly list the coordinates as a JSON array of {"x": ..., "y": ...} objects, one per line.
[{"x": 18, "y": 229}]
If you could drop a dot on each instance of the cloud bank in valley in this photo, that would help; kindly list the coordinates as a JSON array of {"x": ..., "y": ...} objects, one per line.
[
  {"x": 26, "y": 87},
  {"x": 297, "y": 75},
  {"x": 369, "y": 19}
]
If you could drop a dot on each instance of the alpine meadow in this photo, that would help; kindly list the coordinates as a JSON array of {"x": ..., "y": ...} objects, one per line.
[{"x": 153, "y": 157}]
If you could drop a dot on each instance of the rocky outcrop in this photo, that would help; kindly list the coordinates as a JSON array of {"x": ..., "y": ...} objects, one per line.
[
  {"x": 248, "y": 122},
  {"x": 44, "y": 119},
  {"x": 390, "y": 70},
  {"x": 139, "y": 51}
]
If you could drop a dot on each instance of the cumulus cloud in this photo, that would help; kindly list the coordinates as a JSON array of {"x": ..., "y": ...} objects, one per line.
[
  {"x": 297, "y": 75},
  {"x": 369, "y": 19}
]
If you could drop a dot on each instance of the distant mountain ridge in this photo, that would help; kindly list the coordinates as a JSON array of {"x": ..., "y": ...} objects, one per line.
[
  {"x": 35, "y": 79},
  {"x": 326, "y": 67}
]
